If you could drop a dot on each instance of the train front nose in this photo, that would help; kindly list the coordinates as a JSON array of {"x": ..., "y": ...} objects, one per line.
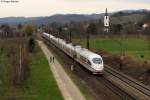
[{"x": 98, "y": 67}]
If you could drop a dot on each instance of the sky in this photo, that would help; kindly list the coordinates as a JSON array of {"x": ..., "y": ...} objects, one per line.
[{"x": 33, "y": 8}]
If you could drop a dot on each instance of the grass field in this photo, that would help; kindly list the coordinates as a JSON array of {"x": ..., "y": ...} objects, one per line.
[
  {"x": 40, "y": 84},
  {"x": 132, "y": 46}
]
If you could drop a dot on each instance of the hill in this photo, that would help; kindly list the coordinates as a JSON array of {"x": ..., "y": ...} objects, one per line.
[
  {"x": 127, "y": 16},
  {"x": 59, "y": 18},
  {"x": 116, "y": 17}
]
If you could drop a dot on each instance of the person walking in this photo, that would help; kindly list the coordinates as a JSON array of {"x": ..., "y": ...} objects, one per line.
[
  {"x": 50, "y": 59},
  {"x": 53, "y": 59}
]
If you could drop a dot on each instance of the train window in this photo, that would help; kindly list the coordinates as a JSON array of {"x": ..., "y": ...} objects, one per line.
[
  {"x": 89, "y": 62},
  {"x": 83, "y": 59},
  {"x": 97, "y": 60}
]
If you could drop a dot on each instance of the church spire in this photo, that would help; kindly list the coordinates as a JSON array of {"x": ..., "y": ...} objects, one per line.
[
  {"x": 106, "y": 21},
  {"x": 106, "y": 12}
]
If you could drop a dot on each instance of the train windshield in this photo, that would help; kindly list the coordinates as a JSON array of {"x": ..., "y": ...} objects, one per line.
[{"x": 97, "y": 60}]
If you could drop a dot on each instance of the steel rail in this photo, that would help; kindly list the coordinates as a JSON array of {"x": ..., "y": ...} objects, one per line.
[{"x": 130, "y": 81}]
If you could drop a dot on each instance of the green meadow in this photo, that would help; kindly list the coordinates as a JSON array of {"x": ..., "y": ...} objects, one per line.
[
  {"x": 133, "y": 46},
  {"x": 40, "y": 84}
]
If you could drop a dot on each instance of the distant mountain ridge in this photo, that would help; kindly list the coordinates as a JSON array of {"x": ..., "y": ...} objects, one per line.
[
  {"x": 15, "y": 20},
  {"x": 59, "y": 18},
  {"x": 129, "y": 12},
  {"x": 65, "y": 18}
]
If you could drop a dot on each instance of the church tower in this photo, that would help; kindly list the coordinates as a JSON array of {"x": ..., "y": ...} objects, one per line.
[{"x": 106, "y": 21}]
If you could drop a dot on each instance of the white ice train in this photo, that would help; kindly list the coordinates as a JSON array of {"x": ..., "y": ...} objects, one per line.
[{"x": 91, "y": 61}]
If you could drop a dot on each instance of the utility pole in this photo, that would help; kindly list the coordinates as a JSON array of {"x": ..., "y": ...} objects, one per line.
[
  {"x": 88, "y": 38},
  {"x": 20, "y": 63},
  {"x": 49, "y": 38},
  {"x": 20, "y": 60},
  {"x": 70, "y": 35}
]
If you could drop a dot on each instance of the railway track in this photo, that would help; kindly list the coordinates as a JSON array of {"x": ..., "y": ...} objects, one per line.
[
  {"x": 122, "y": 94},
  {"x": 129, "y": 89},
  {"x": 134, "y": 88},
  {"x": 95, "y": 87}
]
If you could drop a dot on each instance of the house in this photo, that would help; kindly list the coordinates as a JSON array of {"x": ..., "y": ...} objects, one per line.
[{"x": 145, "y": 26}]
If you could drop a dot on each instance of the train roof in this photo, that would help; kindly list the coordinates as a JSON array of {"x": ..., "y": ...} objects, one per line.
[
  {"x": 88, "y": 54},
  {"x": 69, "y": 45},
  {"x": 82, "y": 51}
]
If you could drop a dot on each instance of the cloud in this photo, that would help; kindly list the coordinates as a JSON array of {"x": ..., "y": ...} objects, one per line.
[
  {"x": 136, "y": 1},
  {"x": 50, "y": 7}
]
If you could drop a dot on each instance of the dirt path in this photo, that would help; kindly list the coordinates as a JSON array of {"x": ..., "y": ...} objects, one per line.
[{"x": 68, "y": 89}]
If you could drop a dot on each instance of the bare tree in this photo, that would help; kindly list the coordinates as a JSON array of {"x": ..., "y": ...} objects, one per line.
[{"x": 91, "y": 29}]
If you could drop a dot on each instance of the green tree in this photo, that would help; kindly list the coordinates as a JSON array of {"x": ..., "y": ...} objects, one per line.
[
  {"x": 28, "y": 29},
  {"x": 31, "y": 45}
]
